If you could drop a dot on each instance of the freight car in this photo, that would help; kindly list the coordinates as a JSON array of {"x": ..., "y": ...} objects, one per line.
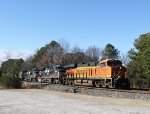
[{"x": 108, "y": 73}]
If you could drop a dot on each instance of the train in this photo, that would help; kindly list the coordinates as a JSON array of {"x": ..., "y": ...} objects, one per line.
[{"x": 109, "y": 73}]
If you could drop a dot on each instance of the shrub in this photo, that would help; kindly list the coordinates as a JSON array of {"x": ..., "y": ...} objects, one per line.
[{"x": 8, "y": 81}]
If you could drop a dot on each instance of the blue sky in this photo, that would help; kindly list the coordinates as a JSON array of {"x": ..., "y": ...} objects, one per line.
[{"x": 30, "y": 24}]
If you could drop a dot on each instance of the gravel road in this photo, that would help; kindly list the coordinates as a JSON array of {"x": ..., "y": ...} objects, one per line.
[{"x": 36, "y": 101}]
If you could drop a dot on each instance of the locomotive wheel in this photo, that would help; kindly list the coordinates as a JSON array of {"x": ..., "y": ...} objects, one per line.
[
  {"x": 109, "y": 85},
  {"x": 96, "y": 83},
  {"x": 32, "y": 79},
  {"x": 62, "y": 80},
  {"x": 93, "y": 83},
  {"x": 55, "y": 81},
  {"x": 71, "y": 82},
  {"x": 52, "y": 80}
]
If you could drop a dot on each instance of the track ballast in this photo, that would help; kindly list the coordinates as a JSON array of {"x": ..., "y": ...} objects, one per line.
[{"x": 104, "y": 92}]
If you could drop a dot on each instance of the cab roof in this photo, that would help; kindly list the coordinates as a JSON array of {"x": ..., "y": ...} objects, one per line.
[{"x": 106, "y": 60}]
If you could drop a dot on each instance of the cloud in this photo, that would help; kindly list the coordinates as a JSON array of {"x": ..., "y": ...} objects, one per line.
[{"x": 14, "y": 54}]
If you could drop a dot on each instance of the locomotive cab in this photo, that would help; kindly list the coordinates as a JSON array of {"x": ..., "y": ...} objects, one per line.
[
  {"x": 110, "y": 62},
  {"x": 114, "y": 73}
]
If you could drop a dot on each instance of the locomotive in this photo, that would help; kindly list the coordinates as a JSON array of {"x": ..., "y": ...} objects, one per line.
[
  {"x": 30, "y": 75},
  {"x": 108, "y": 73},
  {"x": 51, "y": 74}
]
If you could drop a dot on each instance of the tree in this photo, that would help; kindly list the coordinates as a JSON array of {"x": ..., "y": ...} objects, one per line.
[
  {"x": 28, "y": 64},
  {"x": 0, "y": 72},
  {"x": 93, "y": 52},
  {"x": 140, "y": 56},
  {"x": 10, "y": 73},
  {"x": 49, "y": 55},
  {"x": 65, "y": 45},
  {"x": 37, "y": 60},
  {"x": 110, "y": 52},
  {"x": 125, "y": 59},
  {"x": 78, "y": 55},
  {"x": 55, "y": 52},
  {"x": 75, "y": 56}
]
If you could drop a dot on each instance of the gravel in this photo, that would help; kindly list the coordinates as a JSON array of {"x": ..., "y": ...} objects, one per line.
[
  {"x": 38, "y": 101},
  {"x": 100, "y": 92}
]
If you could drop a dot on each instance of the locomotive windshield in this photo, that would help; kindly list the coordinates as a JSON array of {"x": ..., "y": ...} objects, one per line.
[
  {"x": 114, "y": 63},
  {"x": 59, "y": 67},
  {"x": 103, "y": 64}
]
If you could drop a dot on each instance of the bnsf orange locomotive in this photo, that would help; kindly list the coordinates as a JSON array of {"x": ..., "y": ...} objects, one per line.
[{"x": 108, "y": 73}]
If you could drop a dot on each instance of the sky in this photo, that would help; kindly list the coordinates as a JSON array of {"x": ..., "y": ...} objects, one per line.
[{"x": 27, "y": 25}]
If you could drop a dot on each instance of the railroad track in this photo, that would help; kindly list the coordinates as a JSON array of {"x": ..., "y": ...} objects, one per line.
[
  {"x": 89, "y": 90},
  {"x": 131, "y": 90},
  {"x": 103, "y": 92}
]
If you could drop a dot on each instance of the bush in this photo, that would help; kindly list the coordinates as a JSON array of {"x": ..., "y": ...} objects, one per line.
[
  {"x": 8, "y": 82},
  {"x": 9, "y": 71}
]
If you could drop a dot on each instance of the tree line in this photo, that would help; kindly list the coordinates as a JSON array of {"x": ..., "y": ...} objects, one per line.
[{"x": 58, "y": 53}]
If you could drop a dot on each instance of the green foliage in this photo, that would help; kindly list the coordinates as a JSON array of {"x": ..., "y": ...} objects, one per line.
[
  {"x": 55, "y": 53},
  {"x": 12, "y": 65},
  {"x": 9, "y": 73},
  {"x": 110, "y": 52},
  {"x": 140, "y": 61},
  {"x": 0, "y": 72},
  {"x": 8, "y": 81},
  {"x": 132, "y": 54},
  {"x": 28, "y": 64},
  {"x": 50, "y": 54},
  {"x": 77, "y": 57},
  {"x": 37, "y": 57}
]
